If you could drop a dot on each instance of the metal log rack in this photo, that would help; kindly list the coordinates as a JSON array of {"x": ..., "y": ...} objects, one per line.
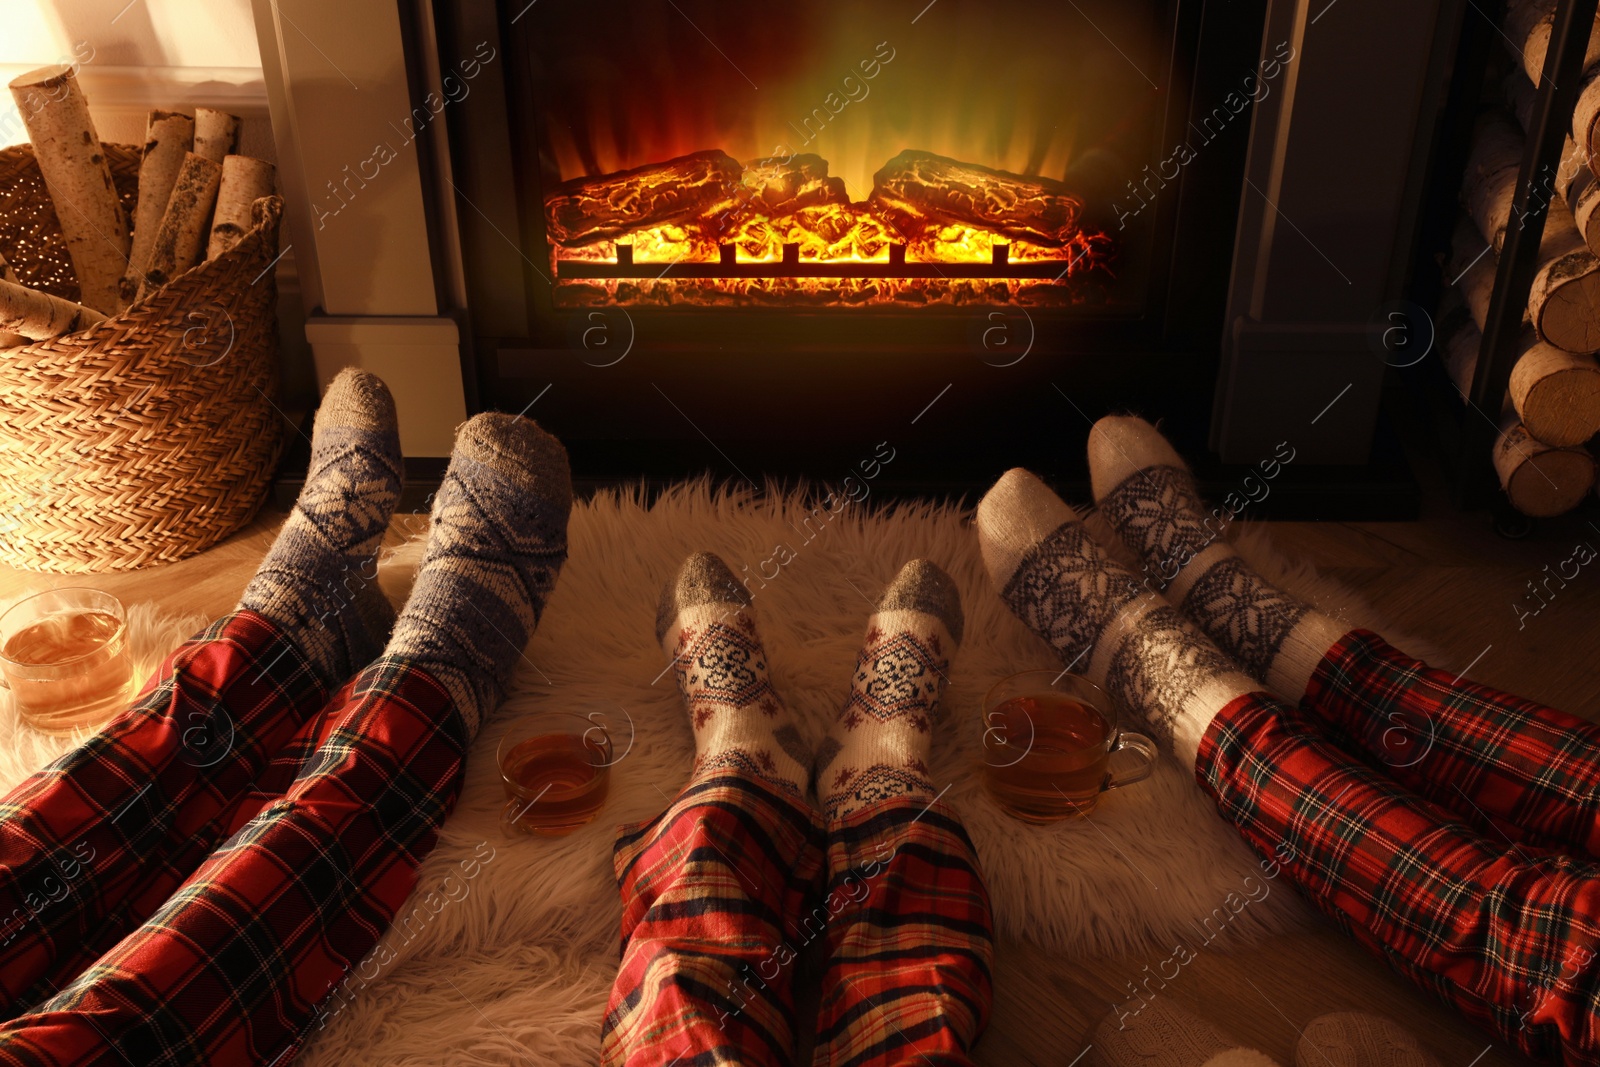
[{"x": 1549, "y": 123}]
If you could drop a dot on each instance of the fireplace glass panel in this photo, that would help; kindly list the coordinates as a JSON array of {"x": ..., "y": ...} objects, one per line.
[{"x": 838, "y": 153}]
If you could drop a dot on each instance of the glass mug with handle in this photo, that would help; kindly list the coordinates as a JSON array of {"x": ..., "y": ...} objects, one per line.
[
  {"x": 1048, "y": 742},
  {"x": 64, "y": 655}
]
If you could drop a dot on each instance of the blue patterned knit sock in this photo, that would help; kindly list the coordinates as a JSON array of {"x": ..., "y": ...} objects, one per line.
[
  {"x": 704, "y": 623},
  {"x": 878, "y": 747},
  {"x": 496, "y": 544},
  {"x": 319, "y": 579}
]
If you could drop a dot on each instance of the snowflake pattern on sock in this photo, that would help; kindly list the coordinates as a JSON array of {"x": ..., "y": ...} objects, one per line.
[
  {"x": 1244, "y": 614},
  {"x": 724, "y": 668},
  {"x": 1159, "y": 664},
  {"x": 1064, "y": 591},
  {"x": 1158, "y": 514}
]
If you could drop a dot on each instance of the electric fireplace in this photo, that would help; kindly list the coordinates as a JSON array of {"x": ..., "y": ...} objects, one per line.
[{"x": 692, "y": 235}]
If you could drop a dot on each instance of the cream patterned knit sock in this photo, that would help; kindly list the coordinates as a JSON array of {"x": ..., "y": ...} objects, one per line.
[
  {"x": 878, "y": 747},
  {"x": 705, "y": 624},
  {"x": 1149, "y": 496},
  {"x": 1162, "y": 1034},
  {"x": 1060, "y": 582},
  {"x": 1355, "y": 1039}
]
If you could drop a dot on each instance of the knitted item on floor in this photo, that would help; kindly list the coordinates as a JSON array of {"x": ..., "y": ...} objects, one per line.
[
  {"x": 1355, "y": 1039},
  {"x": 878, "y": 746},
  {"x": 705, "y": 624},
  {"x": 318, "y": 581},
  {"x": 496, "y": 543},
  {"x": 1162, "y": 1034},
  {"x": 1063, "y": 586},
  {"x": 1147, "y": 493}
]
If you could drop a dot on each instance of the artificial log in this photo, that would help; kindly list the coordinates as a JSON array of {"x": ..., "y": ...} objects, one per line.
[
  {"x": 777, "y": 187},
  {"x": 918, "y": 191},
  {"x": 38, "y": 316},
  {"x": 185, "y": 224},
  {"x": 1539, "y": 479},
  {"x": 687, "y": 189},
  {"x": 7, "y": 338},
  {"x": 168, "y": 138},
  {"x": 244, "y": 181},
  {"x": 216, "y": 134},
  {"x": 93, "y": 225}
]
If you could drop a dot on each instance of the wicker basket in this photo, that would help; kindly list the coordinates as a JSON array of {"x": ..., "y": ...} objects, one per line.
[{"x": 149, "y": 436}]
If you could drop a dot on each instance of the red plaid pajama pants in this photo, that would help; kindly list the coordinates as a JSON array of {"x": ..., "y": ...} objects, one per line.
[
  {"x": 189, "y": 884},
  {"x": 725, "y": 889},
  {"x": 1448, "y": 827}
]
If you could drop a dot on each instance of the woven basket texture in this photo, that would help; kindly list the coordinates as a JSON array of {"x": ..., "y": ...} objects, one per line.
[{"x": 152, "y": 435}]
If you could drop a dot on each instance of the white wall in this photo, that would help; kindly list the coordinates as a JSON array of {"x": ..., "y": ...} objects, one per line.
[{"x": 135, "y": 55}]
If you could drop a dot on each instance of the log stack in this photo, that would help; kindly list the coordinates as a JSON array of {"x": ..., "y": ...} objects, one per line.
[
  {"x": 1552, "y": 405},
  {"x": 194, "y": 190}
]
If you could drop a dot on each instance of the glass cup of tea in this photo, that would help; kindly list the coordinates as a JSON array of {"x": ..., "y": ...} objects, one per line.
[
  {"x": 1048, "y": 742},
  {"x": 64, "y": 656},
  {"x": 554, "y": 782}
]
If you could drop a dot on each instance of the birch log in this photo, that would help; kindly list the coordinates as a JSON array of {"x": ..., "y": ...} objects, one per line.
[
  {"x": 244, "y": 181},
  {"x": 168, "y": 139},
  {"x": 1491, "y": 178},
  {"x": 38, "y": 316},
  {"x": 1564, "y": 303},
  {"x": 216, "y": 134},
  {"x": 1556, "y": 393},
  {"x": 1574, "y": 181},
  {"x": 93, "y": 224},
  {"x": 1528, "y": 25},
  {"x": 183, "y": 228},
  {"x": 1540, "y": 480},
  {"x": 7, "y": 338}
]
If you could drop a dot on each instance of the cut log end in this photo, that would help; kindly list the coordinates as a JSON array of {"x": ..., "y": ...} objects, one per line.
[
  {"x": 1563, "y": 408},
  {"x": 1565, "y": 303},
  {"x": 1551, "y": 483}
]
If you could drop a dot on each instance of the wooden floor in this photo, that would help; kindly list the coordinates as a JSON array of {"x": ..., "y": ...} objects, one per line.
[{"x": 1447, "y": 577}]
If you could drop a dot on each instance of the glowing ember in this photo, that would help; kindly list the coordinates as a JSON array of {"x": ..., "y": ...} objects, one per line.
[{"x": 700, "y": 230}]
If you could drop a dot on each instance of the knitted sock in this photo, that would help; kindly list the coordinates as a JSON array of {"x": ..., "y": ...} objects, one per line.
[
  {"x": 496, "y": 543},
  {"x": 1354, "y": 1039},
  {"x": 1060, "y": 582},
  {"x": 878, "y": 747},
  {"x": 1162, "y": 1034},
  {"x": 319, "y": 580},
  {"x": 704, "y": 623},
  {"x": 1148, "y": 495}
]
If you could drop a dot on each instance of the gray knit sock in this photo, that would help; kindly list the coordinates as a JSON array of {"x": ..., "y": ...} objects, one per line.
[
  {"x": 704, "y": 623},
  {"x": 497, "y": 541},
  {"x": 878, "y": 747},
  {"x": 1146, "y": 492},
  {"x": 319, "y": 580}
]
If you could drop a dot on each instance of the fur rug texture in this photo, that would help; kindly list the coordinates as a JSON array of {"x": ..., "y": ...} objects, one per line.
[{"x": 506, "y": 952}]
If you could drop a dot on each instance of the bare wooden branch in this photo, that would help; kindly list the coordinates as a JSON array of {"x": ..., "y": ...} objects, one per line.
[
  {"x": 38, "y": 316},
  {"x": 185, "y": 224},
  {"x": 168, "y": 139}
]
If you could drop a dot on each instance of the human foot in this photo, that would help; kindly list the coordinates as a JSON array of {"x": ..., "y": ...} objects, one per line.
[
  {"x": 319, "y": 580},
  {"x": 1147, "y": 493},
  {"x": 878, "y": 747},
  {"x": 704, "y": 623},
  {"x": 1063, "y": 586},
  {"x": 496, "y": 543}
]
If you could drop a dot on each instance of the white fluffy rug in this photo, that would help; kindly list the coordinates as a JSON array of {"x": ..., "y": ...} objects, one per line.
[{"x": 512, "y": 964}]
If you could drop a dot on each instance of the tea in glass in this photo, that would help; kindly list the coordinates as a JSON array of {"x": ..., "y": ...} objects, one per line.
[
  {"x": 554, "y": 782},
  {"x": 64, "y": 656}
]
